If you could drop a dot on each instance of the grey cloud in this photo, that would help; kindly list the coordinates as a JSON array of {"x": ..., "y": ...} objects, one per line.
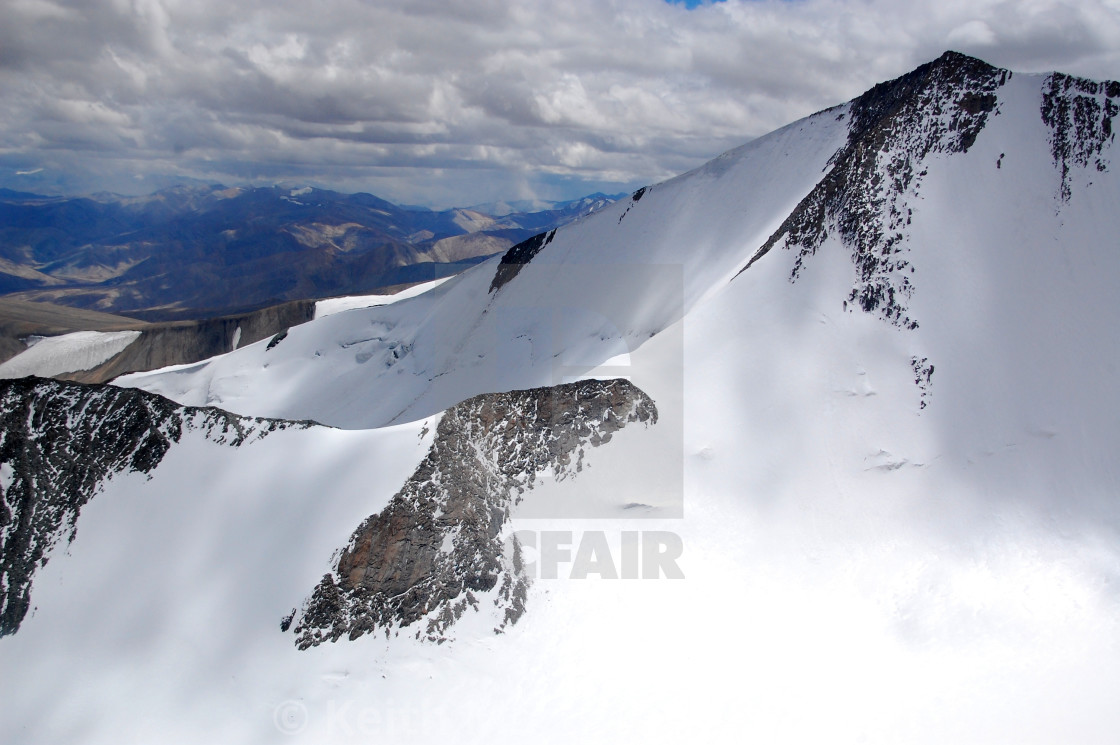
[{"x": 455, "y": 101}]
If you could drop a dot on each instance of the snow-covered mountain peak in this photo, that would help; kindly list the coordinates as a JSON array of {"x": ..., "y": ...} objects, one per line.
[
  {"x": 857, "y": 173},
  {"x": 879, "y": 345},
  {"x": 894, "y": 128},
  {"x": 901, "y": 129}
]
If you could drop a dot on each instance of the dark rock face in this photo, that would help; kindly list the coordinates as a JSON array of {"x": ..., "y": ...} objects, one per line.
[
  {"x": 519, "y": 256},
  {"x": 938, "y": 108},
  {"x": 1079, "y": 113},
  {"x": 59, "y": 442},
  {"x": 439, "y": 543}
]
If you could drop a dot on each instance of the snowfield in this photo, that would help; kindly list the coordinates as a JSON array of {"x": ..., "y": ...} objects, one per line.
[
  {"x": 55, "y": 355},
  {"x": 890, "y": 534}
]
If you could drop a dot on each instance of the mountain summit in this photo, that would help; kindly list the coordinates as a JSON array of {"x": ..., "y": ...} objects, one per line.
[
  {"x": 857, "y": 176},
  {"x": 843, "y": 398}
]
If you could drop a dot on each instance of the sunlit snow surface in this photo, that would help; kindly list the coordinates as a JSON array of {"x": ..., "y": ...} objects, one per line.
[
  {"x": 857, "y": 569},
  {"x": 334, "y": 305}
]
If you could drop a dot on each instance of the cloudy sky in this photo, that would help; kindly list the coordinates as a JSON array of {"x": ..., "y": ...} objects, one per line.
[{"x": 457, "y": 102}]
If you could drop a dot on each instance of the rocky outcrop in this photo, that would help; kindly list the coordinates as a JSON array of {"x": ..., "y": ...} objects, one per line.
[
  {"x": 519, "y": 256},
  {"x": 60, "y": 442},
  {"x": 938, "y": 108},
  {"x": 634, "y": 199},
  {"x": 439, "y": 545},
  {"x": 923, "y": 378},
  {"x": 1080, "y": 115}
]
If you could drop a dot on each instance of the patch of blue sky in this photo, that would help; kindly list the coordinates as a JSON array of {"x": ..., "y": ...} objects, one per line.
[{"x": 691, "y": 4}]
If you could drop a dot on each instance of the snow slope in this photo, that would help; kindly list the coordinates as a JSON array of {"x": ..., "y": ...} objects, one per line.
[
  {"x": 602, "y": 287},
  {"x": 899, "y": 519},
  {"x": 54, "y": 355}
]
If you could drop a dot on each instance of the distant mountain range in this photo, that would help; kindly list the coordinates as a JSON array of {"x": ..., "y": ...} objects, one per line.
[{"x": 208, "y": 251}]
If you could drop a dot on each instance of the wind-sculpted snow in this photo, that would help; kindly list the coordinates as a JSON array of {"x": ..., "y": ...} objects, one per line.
[
  {"x": 1079, "y": 113},
  {"x": 439, "y": 546},
  {"x": 59, "y": 442},
  {"x": 866, "y": 195}
]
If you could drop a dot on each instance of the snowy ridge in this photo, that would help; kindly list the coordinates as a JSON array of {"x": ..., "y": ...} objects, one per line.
[
  {"x": 867, "y": 195},
  {"x": 599, "y": 288},
  {"x": 440, "y": 547},
  {"x": 333, "y": 305},
  {"x": 857, "y": 172},
  {"x": 59, "y": 442},
  {"x": 873, "y": 186}
]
